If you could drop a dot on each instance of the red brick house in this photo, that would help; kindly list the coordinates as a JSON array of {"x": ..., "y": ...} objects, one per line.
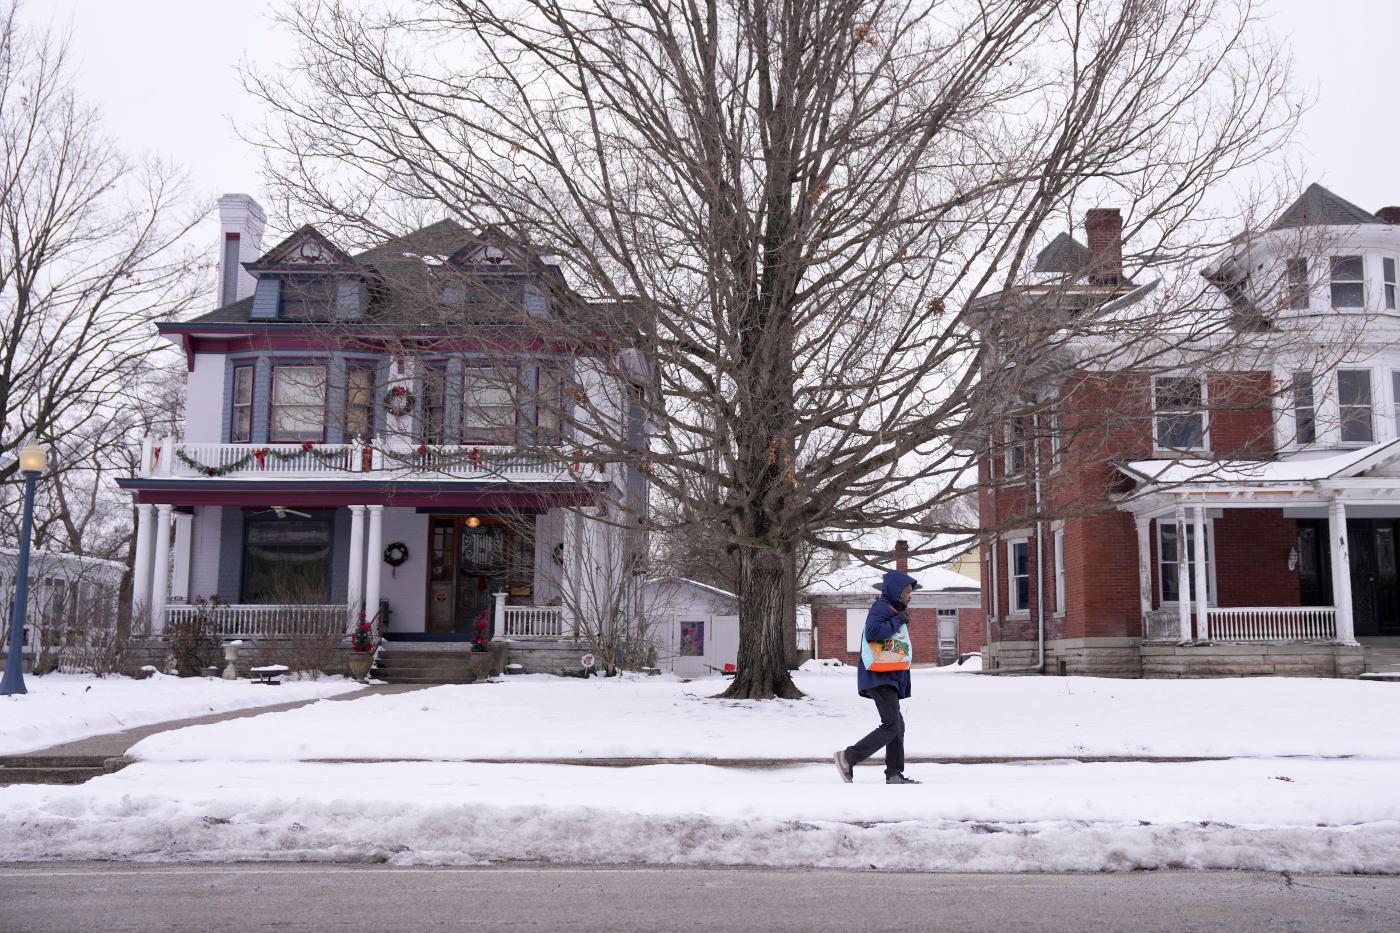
[
  {"x": 945, "y": 615},
  {"x": 1282, "y": 478}
]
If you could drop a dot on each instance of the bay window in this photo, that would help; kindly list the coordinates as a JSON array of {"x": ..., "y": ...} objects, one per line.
[
  {"x": 1355, "y": 407},
  {"x": 297, "y": 405},
  {"x": 1348, "y": 282}
]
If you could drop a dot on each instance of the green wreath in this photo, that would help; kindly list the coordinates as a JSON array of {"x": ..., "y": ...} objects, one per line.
[
  {"x": 398, "y": 401},
  {"x": 395, "y": 554}
]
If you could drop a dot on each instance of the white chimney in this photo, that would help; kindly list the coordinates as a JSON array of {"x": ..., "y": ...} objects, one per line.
[{"x": 241, "y": 221}]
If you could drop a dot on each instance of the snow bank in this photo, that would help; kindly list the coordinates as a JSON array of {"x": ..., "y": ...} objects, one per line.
[
  {"x": 536, "y": 717},
  {"x": 63, "y": 707},
  {"x": 1331, "y": 816}
]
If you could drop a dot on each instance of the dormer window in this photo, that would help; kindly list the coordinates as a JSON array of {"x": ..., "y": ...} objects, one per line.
[
  {"x": 1348, "y": 282},
  {"x": 307, "y": 297}
]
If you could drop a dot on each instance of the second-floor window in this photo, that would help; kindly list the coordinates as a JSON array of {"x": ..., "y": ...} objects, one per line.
[
  {"x": 359, "y": 401},
  {"x": 1296, "y": 283},
  {"x": 1179, "y": 413},
  {"x": 1304, "y": 409},
  {"x": 488, "y": 405},
  {"x": 1348, "y": 282},
  {"x": 434, "y": 421},
  {"x": 1016, "y": 447},
  {"x": 241, "y": 423},
  {"x": 1388, "y": 277},
  {"x": 1355, "y": 407},
  {"x": 297, "y": 406},
  {"x": 549, "y": 404}
]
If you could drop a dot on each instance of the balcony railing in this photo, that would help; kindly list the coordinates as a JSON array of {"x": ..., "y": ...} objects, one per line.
[
  {"x": 1273, "y": 624},
  {"x": 378, "y": 460},
  {"x": 256, "y": 621}
]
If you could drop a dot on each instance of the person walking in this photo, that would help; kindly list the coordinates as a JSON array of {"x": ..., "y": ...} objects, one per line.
[{"x": 883, "y": 676}]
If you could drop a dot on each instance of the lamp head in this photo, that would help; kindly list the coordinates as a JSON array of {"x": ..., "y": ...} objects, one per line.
[
  {"x": 33, "y": 458},
  {"x": 473, "y": 521}
]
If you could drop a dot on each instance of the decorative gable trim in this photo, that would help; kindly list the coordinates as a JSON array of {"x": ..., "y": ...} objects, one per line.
[{"x": 306, "y": 250}]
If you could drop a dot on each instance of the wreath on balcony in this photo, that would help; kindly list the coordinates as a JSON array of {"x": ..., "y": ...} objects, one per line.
[
  {"x": 395, "y": 554},
  {"x": 398, "y": 401}
]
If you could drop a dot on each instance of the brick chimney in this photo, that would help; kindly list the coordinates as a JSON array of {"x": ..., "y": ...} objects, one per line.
[
  {"x": 1103, "y": 226},
  {"x": 901, "y": 555},
  {"x": 1389, "y": 215},
  {"x": 241, "y": 221}
]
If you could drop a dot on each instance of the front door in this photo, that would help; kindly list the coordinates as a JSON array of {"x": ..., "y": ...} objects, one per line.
[
  {"x": 1375, "y": 575},
  {"x": 471, "y": 559}
]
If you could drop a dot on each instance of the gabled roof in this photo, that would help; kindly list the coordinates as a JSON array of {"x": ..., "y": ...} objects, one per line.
[
  {"x": 1318, "y": 207},
  {"x": 1064, "y": 254},
  {"x": 307, "y": 248}
]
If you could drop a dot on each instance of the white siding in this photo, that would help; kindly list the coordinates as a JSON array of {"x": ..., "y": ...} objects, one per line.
[{"x": 204, "y": 400}]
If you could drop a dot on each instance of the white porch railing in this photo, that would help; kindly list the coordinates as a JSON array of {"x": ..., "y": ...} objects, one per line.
[
  {"x": 249, "y": 621},
  {"x": 1273, "y": 623},
  {"x": 1161, "y": 625},
  {"x": 380, "y": 459},
  {"x": 534, "y": 621}
]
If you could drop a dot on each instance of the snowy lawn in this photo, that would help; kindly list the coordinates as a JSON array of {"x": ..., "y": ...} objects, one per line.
[
  {"x": 949, "y": 715},
  {"x": 1265, "y": 814},
  {"x": 63, "y": 707}
]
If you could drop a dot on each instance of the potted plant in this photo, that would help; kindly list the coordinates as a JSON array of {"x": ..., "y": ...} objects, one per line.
[
  {"x": 481, "y": 641},
  {"x": 361, "y": 648}
]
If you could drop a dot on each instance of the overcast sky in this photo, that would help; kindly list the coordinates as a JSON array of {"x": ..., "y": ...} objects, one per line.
[{"x": 164, "y": 72}]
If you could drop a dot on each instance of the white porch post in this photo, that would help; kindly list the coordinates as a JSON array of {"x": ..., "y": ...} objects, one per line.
[
  {"x": 374, "y": 561},
  {"x": 498, "y": 632},
  {"x": 1341, "y": 570},
  {"x": 160, "y": 583},
  {"x": 354, "y": 587},
  {"x": 1183, "y": 576},
  {"x": 184, "y": 535},
  {"x": 1144, "y": 545},
  {"x": 141, "y": 572},
  {"x": 1202, "y": 587}
]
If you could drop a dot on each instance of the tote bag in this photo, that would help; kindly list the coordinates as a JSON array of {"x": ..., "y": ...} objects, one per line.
[{"x": 892, "y": 654}]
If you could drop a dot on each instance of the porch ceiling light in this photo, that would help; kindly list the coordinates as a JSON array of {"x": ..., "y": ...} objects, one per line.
[{"x": 473, "y": 521}]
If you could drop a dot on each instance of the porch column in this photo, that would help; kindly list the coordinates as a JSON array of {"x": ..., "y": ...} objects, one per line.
[
  {"x": 1183, "y": 576},
  {"x": 160, "y": 583},
  {"x": 374, "y": 559},
  {"x": 184, "y": 534},
  {"x": 141, "y": 571},
  {"x": 1202, "y": 587},
  {"x": 498, "y": 629},
  {"x": 355, "y": 581},
  {"x": 1341, "y": 570},
  {"x": 1144, "y": 544}
]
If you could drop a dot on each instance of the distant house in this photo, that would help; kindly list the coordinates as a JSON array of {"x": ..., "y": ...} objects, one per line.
[
  {"x": 945, "y": 615},
  {"x": 69, "y": 596},
  {"x": 345, "y": 447}
]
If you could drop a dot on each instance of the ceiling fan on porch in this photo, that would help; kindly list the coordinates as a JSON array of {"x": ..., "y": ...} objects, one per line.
[{"x": 281, "y": 511}]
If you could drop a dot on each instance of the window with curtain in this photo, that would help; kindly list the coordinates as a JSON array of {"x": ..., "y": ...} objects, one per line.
[
  {"x": 488, "y": 405},
  {"x": 241, "y": 422},
  {"x": 287, "y": 560},
  {"x": 549, "y": 404},
  {"x": 432, "y": 423},
  {"x": 297, "y": 406},
  {"x": 359, "y": 401}
]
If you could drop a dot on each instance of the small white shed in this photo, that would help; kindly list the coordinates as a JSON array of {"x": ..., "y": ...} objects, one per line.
[{"x": 695, "y": 626}]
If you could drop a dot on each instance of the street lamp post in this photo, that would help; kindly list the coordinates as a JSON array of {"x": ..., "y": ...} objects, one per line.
[{"x": 32, "y": 460}]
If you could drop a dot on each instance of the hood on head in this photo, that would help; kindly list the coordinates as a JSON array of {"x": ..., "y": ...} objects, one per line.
[{"x": 894, "y": 583}]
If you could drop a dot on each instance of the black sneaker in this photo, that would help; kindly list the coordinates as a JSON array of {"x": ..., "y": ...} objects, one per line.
[
  {"x": 844, "y": 766},
  {"x": 900, "y": 779}
]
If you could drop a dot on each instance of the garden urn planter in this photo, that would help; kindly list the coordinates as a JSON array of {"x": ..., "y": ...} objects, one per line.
[{"x": 360, "y": 663}]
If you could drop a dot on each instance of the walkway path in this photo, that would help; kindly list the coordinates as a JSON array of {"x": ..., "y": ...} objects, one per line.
[{"x": 76, "y": 761}]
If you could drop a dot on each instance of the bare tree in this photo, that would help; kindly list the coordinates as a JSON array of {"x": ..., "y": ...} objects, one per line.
[
  {"x": 791, "y": 210},
  {"x": 90, "y": 253}
]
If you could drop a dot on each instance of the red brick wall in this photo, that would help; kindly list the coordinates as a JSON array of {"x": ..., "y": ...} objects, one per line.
[
  {"x": 1101, "y": 565},
  {"x": 972, "y": 633}
]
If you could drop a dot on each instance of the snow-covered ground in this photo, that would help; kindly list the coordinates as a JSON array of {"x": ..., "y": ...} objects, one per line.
[
  {"x": 1267, "y": 814},
  {"x": 63, "y": 707},
  {"x": 251, "y": 789},
  {"x": 949, "y": 715}
]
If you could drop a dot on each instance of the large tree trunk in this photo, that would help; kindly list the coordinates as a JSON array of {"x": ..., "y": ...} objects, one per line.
[{"x": 764, "y": 604}]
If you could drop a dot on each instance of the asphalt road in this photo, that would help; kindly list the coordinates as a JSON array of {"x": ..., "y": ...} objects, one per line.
[{"x": 120, "y": 896}]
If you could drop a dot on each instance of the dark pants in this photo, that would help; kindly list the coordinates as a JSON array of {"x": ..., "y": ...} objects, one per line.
[{"x": 889, "y": 736}]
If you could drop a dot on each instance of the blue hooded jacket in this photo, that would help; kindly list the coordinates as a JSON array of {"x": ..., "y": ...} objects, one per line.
[{"x": 883, "y": 620}]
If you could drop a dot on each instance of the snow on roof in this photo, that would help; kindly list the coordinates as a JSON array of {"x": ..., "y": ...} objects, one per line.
[
  {"x": 861, "y": 578},
  {"x": 1288, "y": 469},
  {"x": 695, "y": 583}
]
